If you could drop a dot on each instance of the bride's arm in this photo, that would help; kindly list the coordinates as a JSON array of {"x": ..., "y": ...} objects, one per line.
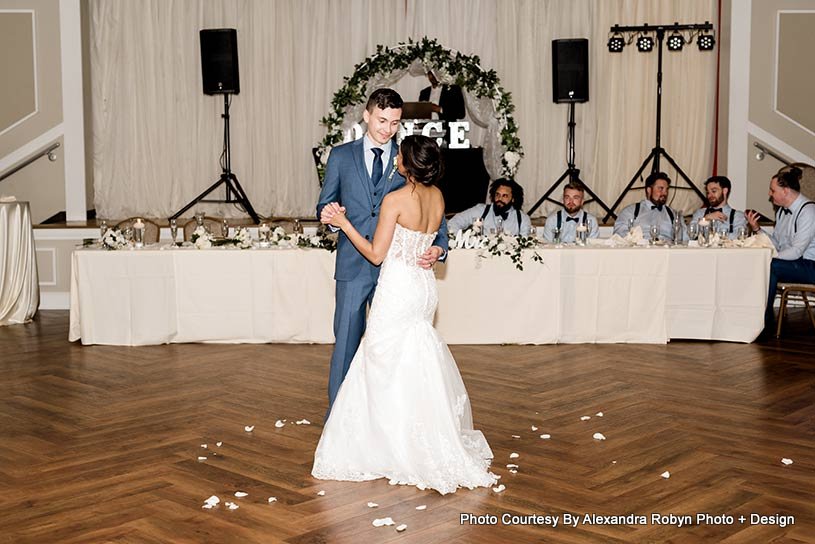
[{"x": 375, "y": 250}]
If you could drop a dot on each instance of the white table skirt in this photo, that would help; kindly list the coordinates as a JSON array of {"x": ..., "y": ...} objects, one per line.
[
  {"x": 19, "y": 281},
  {"x": 644, "y": 295}
]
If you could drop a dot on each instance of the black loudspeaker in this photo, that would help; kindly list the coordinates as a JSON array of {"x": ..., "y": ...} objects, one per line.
[
  {"x": 219, "y": 61},
  {"x": 570, "y": 70}
]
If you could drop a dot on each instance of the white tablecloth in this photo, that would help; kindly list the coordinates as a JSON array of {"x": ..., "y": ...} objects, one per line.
[
  {"x": 645, "y": 295},
  {"x": 19, "y": 282}
]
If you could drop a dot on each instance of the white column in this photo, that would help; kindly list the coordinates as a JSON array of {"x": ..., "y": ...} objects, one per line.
[
  {"x": 737, "y": 152},
  {"x": 70, "y": 27}
]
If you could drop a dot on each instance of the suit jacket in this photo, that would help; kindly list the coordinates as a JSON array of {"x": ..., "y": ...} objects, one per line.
[
  {"x": 451, "y": 102},
  {"x": 348, "y": 183}
]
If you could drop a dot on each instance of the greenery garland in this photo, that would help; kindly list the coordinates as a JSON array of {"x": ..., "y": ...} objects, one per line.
[{"x": 468, "y": 75}]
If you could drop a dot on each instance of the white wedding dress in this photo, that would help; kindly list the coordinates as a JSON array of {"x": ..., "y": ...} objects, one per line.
[{"x": 402, "y": 411}]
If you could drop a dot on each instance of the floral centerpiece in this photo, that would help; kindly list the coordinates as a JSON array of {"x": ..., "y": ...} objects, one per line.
[
  {"x": 112, "y": 240},
  {"x": 497, "y": 246}
]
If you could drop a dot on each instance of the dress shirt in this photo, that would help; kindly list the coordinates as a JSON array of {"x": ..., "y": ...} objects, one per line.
[
  {"x": 568, "y": 226},
  {"x": 792, "y": 245},
  {"x": 739, "y": 219},
  {"x": 464, "y": 220},
  {"x": 649, "y": 216}
]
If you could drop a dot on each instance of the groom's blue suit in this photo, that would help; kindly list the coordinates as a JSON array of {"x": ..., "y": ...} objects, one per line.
[{"x": 348, "y": 183}]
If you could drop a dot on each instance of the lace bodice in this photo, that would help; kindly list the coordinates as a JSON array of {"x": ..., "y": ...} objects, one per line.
[{"x": 408, "y": 245}]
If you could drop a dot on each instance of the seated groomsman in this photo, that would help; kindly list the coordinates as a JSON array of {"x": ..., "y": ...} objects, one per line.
[
  {"x": 651, "y": 211},
  {"x": 566, "y": 220},
  {"x": 507, "y": 198},
  {"x": 793, "y": 236},
  {"x": 718, "y": 192}
]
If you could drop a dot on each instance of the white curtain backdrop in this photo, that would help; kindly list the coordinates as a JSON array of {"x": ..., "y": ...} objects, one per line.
[{"x": 157, "y": 137}]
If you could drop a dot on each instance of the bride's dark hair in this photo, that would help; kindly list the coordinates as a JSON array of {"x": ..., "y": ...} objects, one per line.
[{"x": 422, "y": 160}]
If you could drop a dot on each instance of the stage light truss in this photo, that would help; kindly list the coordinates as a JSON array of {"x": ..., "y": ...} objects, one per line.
[{"x": 677, "y": 37}]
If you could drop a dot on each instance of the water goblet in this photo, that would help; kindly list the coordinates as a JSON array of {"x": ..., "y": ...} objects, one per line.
[
  {"x": 174, "y": 231},
  {"x": 103, "y": 228},
  {"x": 704, "y": 235},
  {"x": 693, "y": 231},
  {"x": 499, "y": 226},
  {"x": 556, "y": 235},
  {"x": 742, "y": 233},
  {"x": 225, "y": 227},
  {"x": 654, "y": 231},
  {"x": 631, "y": 225}
]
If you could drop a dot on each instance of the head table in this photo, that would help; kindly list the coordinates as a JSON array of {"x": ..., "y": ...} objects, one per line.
[{"x": 577, "y": 295}]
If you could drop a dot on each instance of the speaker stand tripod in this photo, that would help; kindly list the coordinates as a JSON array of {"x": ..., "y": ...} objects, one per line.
[
  {"x": 571, "y": 172},
  {"x": 658, "y": 151},
  {"x": 234, "y": 191}
]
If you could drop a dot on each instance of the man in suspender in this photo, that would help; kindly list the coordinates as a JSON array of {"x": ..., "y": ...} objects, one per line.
[
  {"x": 652, "y": 210},
  {"x": 717, "y": 209},
  {"x": 793, "y": 236},
  {"x": 507, "y": 198},
  {"x": 566, "y": 220}
]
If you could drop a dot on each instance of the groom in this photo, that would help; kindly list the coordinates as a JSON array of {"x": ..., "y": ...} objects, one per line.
[{"x": 358, "y": 176}]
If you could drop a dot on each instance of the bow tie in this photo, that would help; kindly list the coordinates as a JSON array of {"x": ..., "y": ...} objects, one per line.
[
  {"x": 657, "y": 207},
  {"x": 786, "y": 211},
  {"x": 712, "y": 210},
  {"x": 572, "y": 219},
  {"x": 503, "y": 216}
]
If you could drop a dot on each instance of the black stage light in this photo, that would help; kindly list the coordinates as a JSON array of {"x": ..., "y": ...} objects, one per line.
[
  {"x": 616, "y": 44},
  {"x": 705, "y": 42},
  {"x": 675, "y": 42},
  {"x": 645, "y": 43}
]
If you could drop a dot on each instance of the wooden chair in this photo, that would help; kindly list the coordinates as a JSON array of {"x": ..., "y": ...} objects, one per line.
[
  {"x": 213, "y": 224},
  {"x": 151, "y": 229},
  {"x": 797, "y": 291}
]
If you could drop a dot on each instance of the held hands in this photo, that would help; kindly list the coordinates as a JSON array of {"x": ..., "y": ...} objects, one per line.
[
  {"x": 333, "y": 214},
  {"x": 429, "y": 257},
  {"x": 716, "y": 216}
]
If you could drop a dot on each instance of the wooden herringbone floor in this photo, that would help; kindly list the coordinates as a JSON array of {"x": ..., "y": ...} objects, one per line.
[{"x": 100, "y": 444}]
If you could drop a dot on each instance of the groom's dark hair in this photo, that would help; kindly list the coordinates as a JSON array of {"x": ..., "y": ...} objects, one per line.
[
  {"x": 421, "y": 158},
  {"x": 384, "y": 99}
]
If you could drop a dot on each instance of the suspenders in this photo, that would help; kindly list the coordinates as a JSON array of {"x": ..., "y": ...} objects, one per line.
[
  {"x": 670, "y": 213},
  {"x": 517, "y": 214},
  {"x": 795, "y": 225},
  {"x": 560, "y": 218}
]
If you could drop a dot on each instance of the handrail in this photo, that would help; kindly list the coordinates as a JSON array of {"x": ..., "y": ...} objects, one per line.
[
  {"x": 48, "y": 151},
  {"x": 771, "y": 153}
]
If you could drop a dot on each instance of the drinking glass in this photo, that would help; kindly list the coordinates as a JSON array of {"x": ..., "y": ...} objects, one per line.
[
  {"x": 173, "y": 230},
  {"x": 199, "y": 219},
  {"x": 298, "y": 227},
  {"x": 631, "y": 224},
  {"x": 138, "y": 236},
  {"x": 128, "y": 233},
  {"x": 693, "y": 231},
  {"x": 556, "y": 235},
  {"x": 499, "y": 226},
  {"x": 103, "y": 228},
  {"x": 225, "y": 227},
  {"x": 654, "y": 230},
  {"x": 704, "y": 234},
  {"x": 742, "y": 233},
  {"x": 581, "y": 233},
  {"x": 723, "y": 233},
  {"x": 264, "y": 233}
]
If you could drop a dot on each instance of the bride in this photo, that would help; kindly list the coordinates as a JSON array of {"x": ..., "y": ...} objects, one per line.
[{"x": 403, "y": 412}]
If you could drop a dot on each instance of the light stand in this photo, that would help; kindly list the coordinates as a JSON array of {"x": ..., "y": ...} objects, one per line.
[
  {"x": 571, "y": 172},
  {"x": 658, "y": 151},
  {"x": 228, "y": 178}
]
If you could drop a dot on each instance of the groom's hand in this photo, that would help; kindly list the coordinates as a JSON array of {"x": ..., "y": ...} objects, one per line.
[
  {"x": 329, "y": 211},
  {"x": 429, "y": 257}
]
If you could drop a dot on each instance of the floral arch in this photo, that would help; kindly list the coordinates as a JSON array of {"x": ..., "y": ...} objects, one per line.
[{"x": 488, "y": 104}]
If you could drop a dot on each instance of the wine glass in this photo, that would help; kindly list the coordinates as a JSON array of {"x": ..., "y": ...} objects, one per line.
[
  {"x": 225, "y": 227},
  {"x": 556, "y": 235},
  {"x": 199, "y": 219},
  {"x": 174, "y": 231},
  {"x": 103, "y": 228},
  {"x": 631, "y": 222},
  {"x": 742, "y": 232},
  {"x": 499, "y": 226}
]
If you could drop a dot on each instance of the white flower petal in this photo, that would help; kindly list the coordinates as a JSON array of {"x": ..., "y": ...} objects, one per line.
[
  {"x": 241, "y": 494},
  {"x": 666, "y": 474},
  {"x": 212, "y": 500},
  {"x": 203, "y": 446},
  {"x": 516, "y": 436},
  {"x": 401, "y": 528},
  {"x": 546, "y": 436},
  {"x": 372, "y": 505},
  {"x": 421, "y": 507},
  {"x": 278, "y": 424},
  {"x": 208, "y": 506},
  {"x": 585, "y": 418},
  {"x": 380, "y": 522},
  {"x": 304, "y": 422},
  {"x": 392, "y": 482},
  {"x": 534, "y": 428},
  {"x": 512, "y": 465},
  {"x": 598, "y": 436},
  {"x": 599, "y": 414},
  {"x": 272, "y": 499},
  {"x": 786, "y": 461},
  {"x": 513, "y": 455},
  {"x": 231, "y": 505},
  {"x": 202, "y": 458},
  {"x": 499, "y": 488},
  {"x": 321, "y": 493},
  {"x": 513, "y": 470},
  {"x": 249, "y": 428},
  {"x": 219, "y": 444}
]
